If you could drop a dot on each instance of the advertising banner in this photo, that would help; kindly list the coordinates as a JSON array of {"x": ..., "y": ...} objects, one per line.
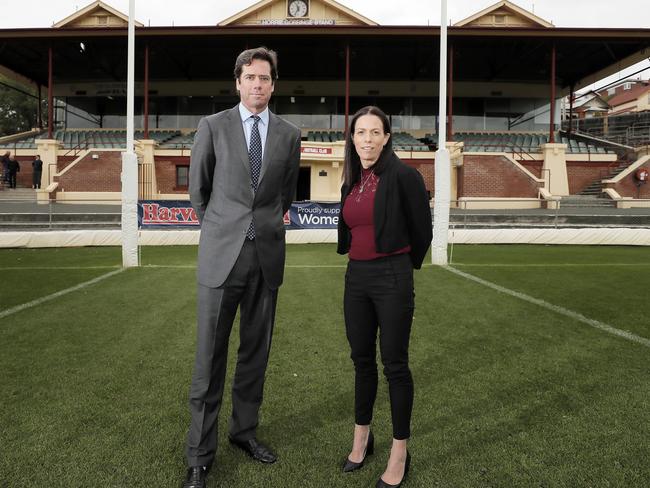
[
  {"x": 179, "y": 214},
  {"x": 312, "y": 215},
  {"x": 166, "y": 213}
]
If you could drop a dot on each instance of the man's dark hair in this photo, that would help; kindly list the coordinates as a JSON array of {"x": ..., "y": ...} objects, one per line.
[{"x": 245, "y": 58}]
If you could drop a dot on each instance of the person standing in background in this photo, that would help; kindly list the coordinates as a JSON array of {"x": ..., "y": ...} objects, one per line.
[
  {"x": 6, "y": 157},
  {"x": 37, "y": 168},
  {"x": 14, "y": 169}
]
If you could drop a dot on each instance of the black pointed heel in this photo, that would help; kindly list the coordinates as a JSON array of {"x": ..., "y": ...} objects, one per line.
[
  {"x": 382, "y": 484},
  {"x": 349, "y": 466}
]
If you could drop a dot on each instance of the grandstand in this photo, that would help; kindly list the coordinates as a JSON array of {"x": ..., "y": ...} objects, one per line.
[{"x": 503, "y": 102}]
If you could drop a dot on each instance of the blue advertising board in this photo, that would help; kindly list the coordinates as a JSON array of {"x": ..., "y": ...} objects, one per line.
[{"x": 180, "y": 214}]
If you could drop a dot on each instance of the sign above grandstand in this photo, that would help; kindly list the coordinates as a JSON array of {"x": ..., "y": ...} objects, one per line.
[
  {"x": 297, "y": 12},
  {"x": 316, "y": 150},
  {"x": 298, "y": 22}
]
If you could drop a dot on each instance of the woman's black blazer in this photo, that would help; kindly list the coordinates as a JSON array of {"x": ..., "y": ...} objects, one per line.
[{"x": 402, "y": 215}]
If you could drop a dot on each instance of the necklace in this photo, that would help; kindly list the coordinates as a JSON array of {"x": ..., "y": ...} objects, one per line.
[{"x": 364, "y": 181}]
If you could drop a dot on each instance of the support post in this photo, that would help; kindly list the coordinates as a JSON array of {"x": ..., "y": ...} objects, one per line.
[
  {"x": 443, "y": 160},
  {"x": 571, "y": 95},
  {"x": 450, "y": 98},
  {"x": 50, "y": 93},
  {"x": 551, "y": 135},
  {"x": 146, "y": 91},
  {"x": 347, "y": 86},
  {"x": 130, "y": 256},
  {"x": 39, "y": 109}
]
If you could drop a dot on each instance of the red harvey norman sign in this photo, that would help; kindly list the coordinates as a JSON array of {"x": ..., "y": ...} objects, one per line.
[
  {"x": 166, "y": 213},
  {"x": 316, "y": 150}
]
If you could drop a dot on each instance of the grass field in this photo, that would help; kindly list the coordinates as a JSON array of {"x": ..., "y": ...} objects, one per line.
[{"x": 510, "y": 392}]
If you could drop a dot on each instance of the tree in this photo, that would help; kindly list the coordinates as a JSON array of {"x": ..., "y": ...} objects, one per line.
[{"x": 18, "y": 109}]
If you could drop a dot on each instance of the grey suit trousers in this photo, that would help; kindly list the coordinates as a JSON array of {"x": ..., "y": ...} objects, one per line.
[{"x": 245, "y": 287}]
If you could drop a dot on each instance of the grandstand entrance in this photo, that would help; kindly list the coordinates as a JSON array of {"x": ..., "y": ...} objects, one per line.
[{"x": 303, "y": 190}]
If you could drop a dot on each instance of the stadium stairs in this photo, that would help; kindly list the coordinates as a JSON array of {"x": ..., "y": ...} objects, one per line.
[{"x": 17, "y": 194}]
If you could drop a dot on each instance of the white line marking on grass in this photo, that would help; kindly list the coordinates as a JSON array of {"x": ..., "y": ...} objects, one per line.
[
  {"x": 545, "y": 265},
  {"x": 47, "y": 298},
  {"x": 181, "y": 266},
  {"x": 316, "y": 266},
  {"x": 170, "y": 266},
  {"x": 45, "y": 268},
  {"x": 555, "y": 308}
]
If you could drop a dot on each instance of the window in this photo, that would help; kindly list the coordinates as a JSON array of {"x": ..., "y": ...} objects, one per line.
[
  {"x": 182, "y": 177},
  {"x": 627, "y": 86},
  {"x": 611, "y": 91}
]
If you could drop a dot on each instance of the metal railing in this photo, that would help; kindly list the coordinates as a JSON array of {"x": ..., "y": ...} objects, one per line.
[
  {"x": 25, "y": 214},
  {"x": 572, "y": 212},
  {"x": 517, "y": 151}
]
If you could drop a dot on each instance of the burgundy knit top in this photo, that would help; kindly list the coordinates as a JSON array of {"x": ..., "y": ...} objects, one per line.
[{"x": 358, "y": 212}]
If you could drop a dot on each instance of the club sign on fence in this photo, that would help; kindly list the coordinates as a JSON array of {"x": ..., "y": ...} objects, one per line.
[{"x": 180, "y": 214}]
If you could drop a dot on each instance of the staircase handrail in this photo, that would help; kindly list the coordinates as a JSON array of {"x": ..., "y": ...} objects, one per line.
[{"x": 81, "y": 146}]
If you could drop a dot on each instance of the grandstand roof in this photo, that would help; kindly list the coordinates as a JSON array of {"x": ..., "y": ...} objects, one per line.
[
  {"x": 518, "y": 18},
  {"x": 111, "y": 17},
  {"x": 519, "y": 55}
]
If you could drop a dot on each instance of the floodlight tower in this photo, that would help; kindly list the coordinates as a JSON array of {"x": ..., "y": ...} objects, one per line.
[
  {"x": 442, "y": 169},
  {"x": 130, "y": 161}
]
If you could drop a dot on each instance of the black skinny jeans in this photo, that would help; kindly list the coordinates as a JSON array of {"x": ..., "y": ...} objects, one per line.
[{"x": 379, "y": 294}]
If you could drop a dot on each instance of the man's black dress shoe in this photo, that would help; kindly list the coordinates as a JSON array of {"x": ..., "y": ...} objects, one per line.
[
  {"x": 256, "y": 450},
  {"x": 195, "y": 477},
  {"x": 370, "y": 448},
  {"x": 382, "y": 484}
]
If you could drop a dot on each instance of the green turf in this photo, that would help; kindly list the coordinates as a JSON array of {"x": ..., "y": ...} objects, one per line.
[{"x": 508, "y": 394}]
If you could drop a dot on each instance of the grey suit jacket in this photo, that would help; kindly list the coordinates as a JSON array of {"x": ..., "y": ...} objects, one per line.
[{"x": 221, "y": 193}]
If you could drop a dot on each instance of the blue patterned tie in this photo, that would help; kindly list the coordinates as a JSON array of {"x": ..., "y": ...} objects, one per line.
[{"x": 255, "y": 157}]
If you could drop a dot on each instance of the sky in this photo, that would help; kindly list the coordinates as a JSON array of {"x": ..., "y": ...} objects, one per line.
[{"x": 562, "y": 13}]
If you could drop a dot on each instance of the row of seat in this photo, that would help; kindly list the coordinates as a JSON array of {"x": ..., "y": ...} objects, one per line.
[
  {"x": 113, "y": 138},
  {"x": 402, "y": 141},
  {"x": 527, "y": 142},
  {"x": 325, "y": 136}
]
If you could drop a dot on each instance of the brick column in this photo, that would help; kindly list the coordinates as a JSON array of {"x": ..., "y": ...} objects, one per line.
[
  {"x": 456, "y": 157},
  {"x": 557, "y": 181},
  {"x": 148, "y": 184},
  {"x": 48, "y": 149}
]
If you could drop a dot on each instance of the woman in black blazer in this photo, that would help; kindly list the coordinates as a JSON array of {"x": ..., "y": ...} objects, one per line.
[{"x": 385, "y": 228}]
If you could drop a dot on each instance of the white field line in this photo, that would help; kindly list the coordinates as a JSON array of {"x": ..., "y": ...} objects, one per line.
[
  {"x": 554, "y": 308},
  {"x": 547, "y": 265},
  {"x": 426, "y": 265},
  {"x": 183, "y": 266},
  {"x": 45, "y": 268},
  {"x": 47, "y": 298}
]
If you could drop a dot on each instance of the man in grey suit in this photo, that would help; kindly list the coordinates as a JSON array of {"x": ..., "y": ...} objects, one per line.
[{"x": 243, "y": 174}]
